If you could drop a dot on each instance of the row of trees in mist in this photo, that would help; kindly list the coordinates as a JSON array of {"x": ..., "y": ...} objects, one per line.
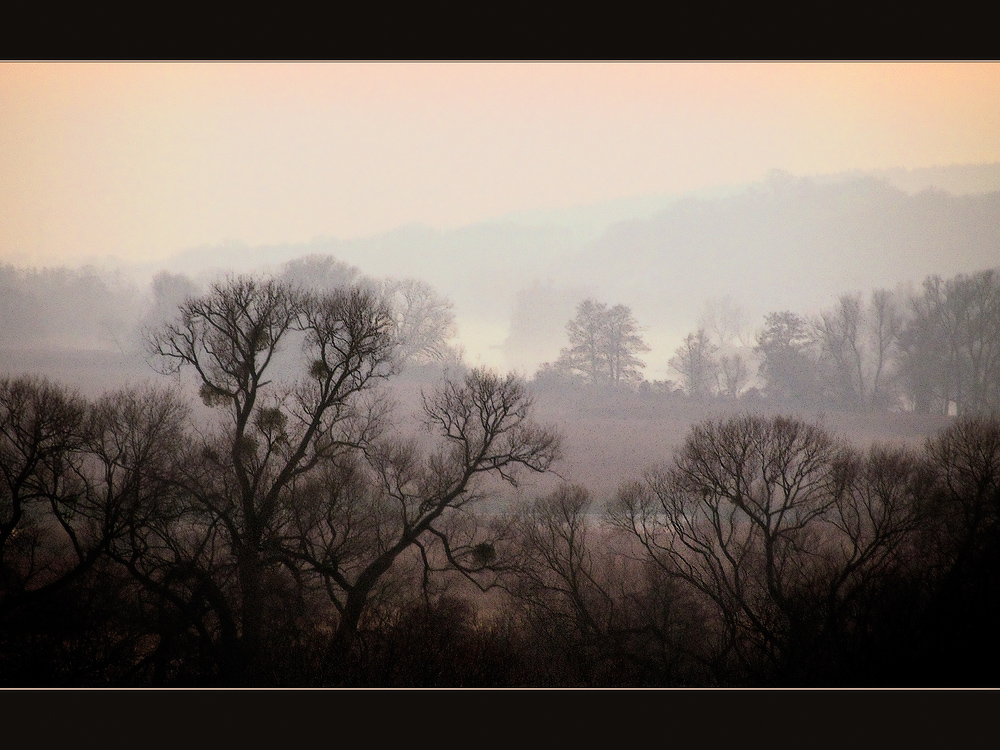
[
  {"x": 86, "y": 308},
  {"x": 60, "y": 307},
  {"x": 270, "y": 519},
  {"x": 930, "y": 351},
  {"x": 937, "y": 351}
]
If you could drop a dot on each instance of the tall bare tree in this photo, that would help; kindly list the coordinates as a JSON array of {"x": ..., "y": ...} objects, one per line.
[
  {"x": 694, "y": 360},
  {"x": 355, "y": 524},
  {"x": 302, "y": 477},
  {"x": 278, "y": 426},
  {"x": 604, "y": 345},
  {"x": 857, "y": 343},
  {"x": 425, "y": 323},
  {"x": 951, "y": 358}
]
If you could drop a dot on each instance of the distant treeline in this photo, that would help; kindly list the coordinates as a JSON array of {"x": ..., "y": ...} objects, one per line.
[
  {"x": 64, "y": 307},
  {"x": 87, "y": 308},
  {"x": 935, "y": 351},
  {"x": 280, "y": 524}
]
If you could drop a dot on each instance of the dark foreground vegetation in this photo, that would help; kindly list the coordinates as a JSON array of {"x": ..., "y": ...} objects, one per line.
[{"x": 267, "y": 518}]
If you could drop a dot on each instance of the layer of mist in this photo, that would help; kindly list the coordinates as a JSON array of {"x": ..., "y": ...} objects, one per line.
[{"x": 786, "y": 243}]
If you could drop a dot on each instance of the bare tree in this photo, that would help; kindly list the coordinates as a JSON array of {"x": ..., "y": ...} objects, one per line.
[
  {"x": 959, "y": 554},
  {"x": 277, "y": 429},
  {"x": 951, "y": 358},
  {"x": 558, "y": 575},
  {"x": 302, "y": 479},
  {"x": 694, "y": 361},
  {"x": 779, "y": 526},
  {"x": 856, "y": 343},
  {"x": 733, "y": 373},
  {"x": 361, "y": 519},
  {"x": 886, "y": 324},
  {"x": 82, "y": 481},
  {"x": 596, "y": 616},
  {"x": 966, "y": 460},
  {"x": 839, "y": 333},
  {"x": 45, "y": 535},
  {"x": 425, "y": 323},
  {"x": 927, "y": 350},
  {"x": 730, "y": 516},
  {"x": 604, "y": 344}
]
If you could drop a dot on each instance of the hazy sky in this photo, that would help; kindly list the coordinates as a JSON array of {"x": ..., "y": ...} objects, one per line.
[{"x": 142, "y": 160}]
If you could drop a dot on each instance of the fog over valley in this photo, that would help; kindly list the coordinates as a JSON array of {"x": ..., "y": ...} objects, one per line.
[
  {"x": 499, "y": 375},
  {"x": 507, "y": 289},
  {"x": 784, "y": 243}
]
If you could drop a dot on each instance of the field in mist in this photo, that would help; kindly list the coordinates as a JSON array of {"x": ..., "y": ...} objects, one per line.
[{"x": 609, "y": 437}]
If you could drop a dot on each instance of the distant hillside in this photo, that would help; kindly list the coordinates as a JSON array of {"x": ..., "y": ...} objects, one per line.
[
  {"x": 787, "y": 243},
  {"x": 957, "y": 179},
  {"x": 784, "y": 243},
  {"x": 793, "y": 245}
]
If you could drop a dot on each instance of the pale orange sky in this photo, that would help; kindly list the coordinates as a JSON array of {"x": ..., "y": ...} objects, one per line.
[{"x": 142, "y": 160}]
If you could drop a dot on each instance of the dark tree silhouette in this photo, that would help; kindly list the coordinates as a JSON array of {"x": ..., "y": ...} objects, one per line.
[
  {"x": 300, "y": 484},
  {"x": 50, "y": 532},
  {"x": 780, "y": 527},
  {"x": 276, "y": 428},
  {"x": 960, "y": 554},
  {"x": 356, "y": 525}
]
